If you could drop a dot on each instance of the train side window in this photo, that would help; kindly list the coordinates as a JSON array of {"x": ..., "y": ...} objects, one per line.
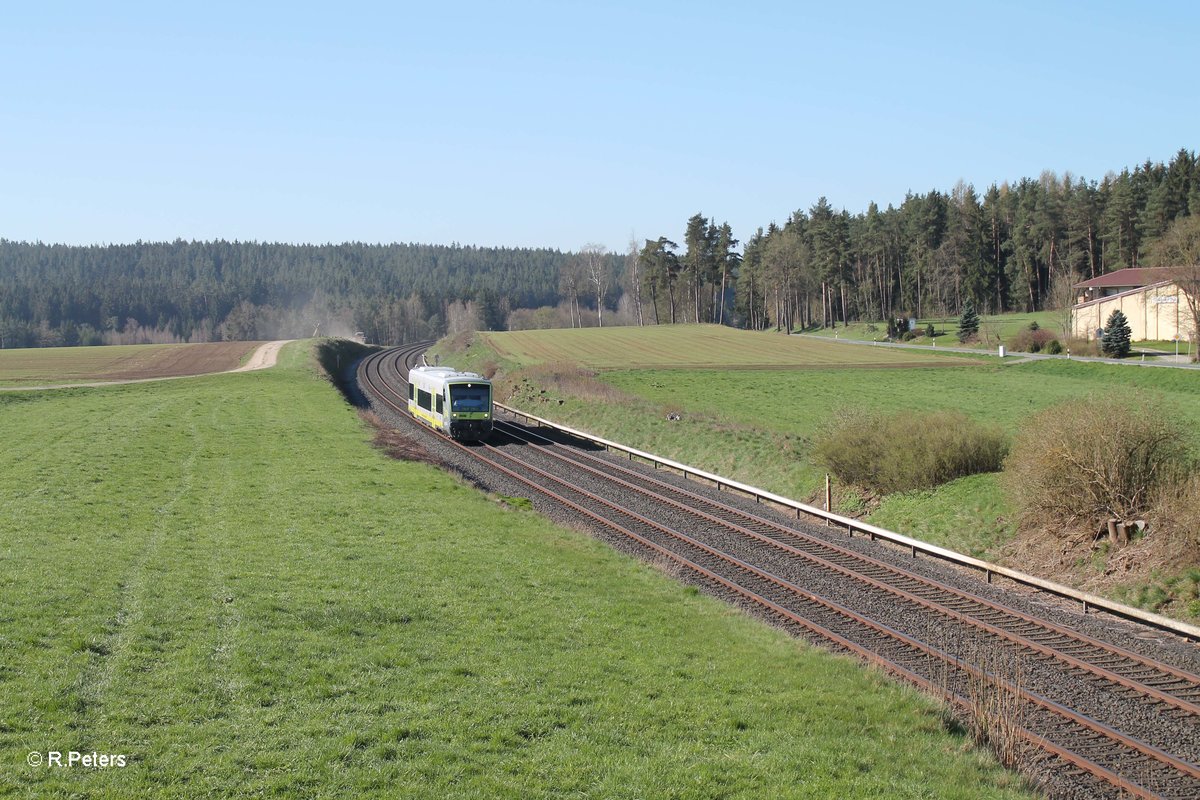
[
  {"x": 424, "y": 399},
  {"x": 439, "y": 404},
  {"x": 410, "y": 391}
]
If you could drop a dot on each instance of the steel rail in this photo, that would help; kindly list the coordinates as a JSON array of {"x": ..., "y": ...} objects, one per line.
[
  {"x": 794, "y": 590},
  {"x": 1022, "y": 640},
  {"x": 1089, "y": 601}
]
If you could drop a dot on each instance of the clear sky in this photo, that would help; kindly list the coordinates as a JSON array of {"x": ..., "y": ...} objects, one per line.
[{"x": 560, "y": 123}]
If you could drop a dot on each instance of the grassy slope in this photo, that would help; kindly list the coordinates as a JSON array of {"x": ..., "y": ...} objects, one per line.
[
  {"x": 219, "y": 578},
  {"x": 946, "y": 328},
  {"x": 756, "y": 425}
]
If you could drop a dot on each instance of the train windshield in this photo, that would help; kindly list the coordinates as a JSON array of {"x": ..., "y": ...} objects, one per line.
[{"x": 465, "y": 397}]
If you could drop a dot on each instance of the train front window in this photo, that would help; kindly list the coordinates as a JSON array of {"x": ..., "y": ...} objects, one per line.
[{"x": 467, "y": 398}]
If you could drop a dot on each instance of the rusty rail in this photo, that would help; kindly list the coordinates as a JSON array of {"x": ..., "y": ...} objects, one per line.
[{"x": 1089, "y": 601}]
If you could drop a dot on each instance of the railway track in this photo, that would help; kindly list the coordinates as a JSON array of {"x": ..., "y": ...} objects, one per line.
[{"x": 1109, "y": 713}]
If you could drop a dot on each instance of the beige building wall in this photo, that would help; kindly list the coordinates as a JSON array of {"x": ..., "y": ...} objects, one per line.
[{"x": 1158, "y": 312}]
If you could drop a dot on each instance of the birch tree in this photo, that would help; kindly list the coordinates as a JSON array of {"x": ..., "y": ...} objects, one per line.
[{"x": 594, "y": 258}]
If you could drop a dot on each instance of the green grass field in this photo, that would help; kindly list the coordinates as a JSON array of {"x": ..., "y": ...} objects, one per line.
[
  {"x": 221, "y": 580},
  {"x": 994, "y": 329},
  {"x": 992, "y": 326},
  {"x": 690, "y": 347},
  {"x": 947, "y": 328},
  {"x": 757, "y": 426}
]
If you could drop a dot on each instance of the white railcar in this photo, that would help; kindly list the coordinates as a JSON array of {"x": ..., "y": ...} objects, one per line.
[{"x": 457, "y": 403}]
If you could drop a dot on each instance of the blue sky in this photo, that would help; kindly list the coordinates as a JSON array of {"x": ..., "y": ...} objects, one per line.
[{"x": 559, "y": 124}]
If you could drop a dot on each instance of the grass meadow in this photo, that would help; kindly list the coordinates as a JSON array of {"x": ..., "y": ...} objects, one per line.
[
  {"x": 690, "y": 347},
  {"x": 992, "y": 327},
  {"x": 221, "y": 580},
  {"x": 757, "y": 425}
]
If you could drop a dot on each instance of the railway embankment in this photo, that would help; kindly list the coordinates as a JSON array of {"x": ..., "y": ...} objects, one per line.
[{"x": 689, "y": 393}]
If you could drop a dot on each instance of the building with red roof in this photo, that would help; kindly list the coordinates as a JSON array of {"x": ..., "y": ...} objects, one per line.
[{"x": 1152, "y": 301}]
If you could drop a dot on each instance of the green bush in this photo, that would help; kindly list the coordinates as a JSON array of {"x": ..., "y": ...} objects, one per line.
[
  {"x": 1103, "y": 456},
  {"x": 1054, "y": 347},
  {"x": 908, "y": 450}
]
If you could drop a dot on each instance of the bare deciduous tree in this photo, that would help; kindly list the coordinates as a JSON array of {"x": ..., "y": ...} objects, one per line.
[
  {"x": 633, "y": 278},
  {"x": 1060, "y": 298},
  {"x": 1179, "y": 250},
  {"x": 570, "y": 282},
  {"x": 594, "y": 258}
]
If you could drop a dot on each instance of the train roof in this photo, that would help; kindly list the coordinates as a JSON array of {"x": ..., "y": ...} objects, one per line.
[{"x": 448, "y": 374}]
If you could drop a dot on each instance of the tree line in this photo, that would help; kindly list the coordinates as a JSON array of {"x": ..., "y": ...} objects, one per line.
[
  {"x": 1016, "y": 247},
  {"x": 202, "y": 291}
]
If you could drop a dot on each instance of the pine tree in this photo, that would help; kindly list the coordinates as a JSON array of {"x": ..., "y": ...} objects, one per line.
[
  {"x": 1117, "y": 333},
  {"x": 968, "y": 322}
]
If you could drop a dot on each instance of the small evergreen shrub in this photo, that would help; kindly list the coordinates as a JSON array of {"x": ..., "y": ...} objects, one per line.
[
  {"x": 1117, "y": 335},
  {"x": 908, "y": 450},
  {"x": 968, "y": 323},
  {"x": 1054, "y": 347},
  {"x": 929, "y": 331}
]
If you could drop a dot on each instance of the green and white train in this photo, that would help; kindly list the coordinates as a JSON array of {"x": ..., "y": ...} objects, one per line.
[{"x": 457, "y": 403}]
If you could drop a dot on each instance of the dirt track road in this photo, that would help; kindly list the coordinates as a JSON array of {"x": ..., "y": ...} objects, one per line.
[{"x": 264, "y": 357}]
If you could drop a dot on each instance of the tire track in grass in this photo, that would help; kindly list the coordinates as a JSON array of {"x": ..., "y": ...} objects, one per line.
[
  {"x": 25, "y": 449},
  {"x": 225, "y": 615},
  {"x": 112, "y": 651}
]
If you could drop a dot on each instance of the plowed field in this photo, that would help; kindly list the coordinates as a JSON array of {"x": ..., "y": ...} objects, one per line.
[{"x": 54, "y": 365}]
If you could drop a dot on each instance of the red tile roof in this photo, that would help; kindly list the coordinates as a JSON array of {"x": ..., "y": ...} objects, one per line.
[{"x": 1138, "y": 276}]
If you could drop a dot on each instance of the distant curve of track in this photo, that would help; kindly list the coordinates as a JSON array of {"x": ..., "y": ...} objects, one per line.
[{"x": 1115, "y": 716}]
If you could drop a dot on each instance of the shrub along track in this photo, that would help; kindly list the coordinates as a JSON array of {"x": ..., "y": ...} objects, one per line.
[{"x": 1120, "y": 719}]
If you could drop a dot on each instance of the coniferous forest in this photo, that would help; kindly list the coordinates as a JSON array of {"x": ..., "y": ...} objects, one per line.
[
  {"x": 205, "y": 291},
  {"x": 1013, "y": 247}
]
